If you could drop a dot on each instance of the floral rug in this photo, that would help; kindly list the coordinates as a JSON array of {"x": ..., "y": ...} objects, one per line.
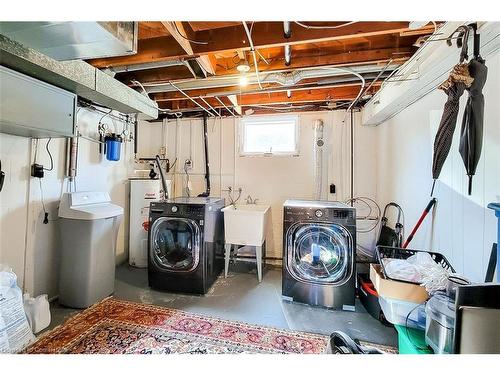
[{"x": 118, "y": 327}]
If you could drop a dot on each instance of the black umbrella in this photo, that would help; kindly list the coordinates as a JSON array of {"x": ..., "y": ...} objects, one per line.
[
  {"x": 471, "y": 135},
  {"x": 454, "y": 87}
]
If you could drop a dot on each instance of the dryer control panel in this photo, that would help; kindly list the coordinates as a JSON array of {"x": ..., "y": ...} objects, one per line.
[
  {"x": 190, "y": 211},
  {"x": 327, "y": 214}
]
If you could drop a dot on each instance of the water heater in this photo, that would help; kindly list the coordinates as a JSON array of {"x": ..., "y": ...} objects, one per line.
[{"x": 142, "y": 193}]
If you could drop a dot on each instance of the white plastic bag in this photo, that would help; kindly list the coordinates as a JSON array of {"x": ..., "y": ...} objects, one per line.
[
  {"x": 15, "y": 332},
  {"x": 37, "y": 312}
]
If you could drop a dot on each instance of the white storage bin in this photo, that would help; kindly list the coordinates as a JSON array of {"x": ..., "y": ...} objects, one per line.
[{"x": 396, "y": 312}]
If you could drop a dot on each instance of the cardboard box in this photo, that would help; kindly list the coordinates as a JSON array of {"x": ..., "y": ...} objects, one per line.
[{"x": 396, "y": 289}]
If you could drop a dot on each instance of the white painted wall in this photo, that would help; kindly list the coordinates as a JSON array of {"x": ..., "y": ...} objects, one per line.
[
  {"x": 462, "y": 227},
  {"x": 27, "y": 245},
  {"x": 270, "y": 179}
]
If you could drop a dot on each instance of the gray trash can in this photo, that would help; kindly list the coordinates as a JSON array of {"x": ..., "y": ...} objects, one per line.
[{"x": 89, "y": 225}]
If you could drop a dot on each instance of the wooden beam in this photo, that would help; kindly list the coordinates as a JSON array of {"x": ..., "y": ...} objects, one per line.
[
  {"x": 233, "y": 38},
  {"x": 182, "y": 34},
  {"x": 270, "y": 34}
]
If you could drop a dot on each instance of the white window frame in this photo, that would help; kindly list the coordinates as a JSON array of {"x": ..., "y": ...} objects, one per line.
[{"x": 268, "y": 119}]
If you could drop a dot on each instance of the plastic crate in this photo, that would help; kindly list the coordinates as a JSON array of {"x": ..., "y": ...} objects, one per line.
[
  {"x": 403, "y": 313},
  {"x": 400, "y": 253}
]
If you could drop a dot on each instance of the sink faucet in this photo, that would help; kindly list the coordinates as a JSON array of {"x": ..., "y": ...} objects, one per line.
[{"x": 249, "y": 200}]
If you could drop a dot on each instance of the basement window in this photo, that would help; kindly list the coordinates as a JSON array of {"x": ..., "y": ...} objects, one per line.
[{"x": 269, "y": 135}]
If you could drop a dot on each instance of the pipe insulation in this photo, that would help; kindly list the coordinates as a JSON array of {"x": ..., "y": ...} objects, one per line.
[{"x": 319, "y": 144}]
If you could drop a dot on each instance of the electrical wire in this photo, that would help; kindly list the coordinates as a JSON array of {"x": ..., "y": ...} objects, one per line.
[
  {"x": 186, "y": 38},
  {"x": 50, "y": 156},
  {"x": 324, "y": 27}
]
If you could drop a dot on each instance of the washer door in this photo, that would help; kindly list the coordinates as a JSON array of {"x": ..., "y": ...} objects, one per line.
[
  {"x": 319, "y": 253},
  {"x": 175, "y": 244}
]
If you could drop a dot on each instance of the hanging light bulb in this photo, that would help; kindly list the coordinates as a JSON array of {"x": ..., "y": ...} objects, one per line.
[
  {"x": 243, "y": 80},
  {"x": 243, "y": 66}
]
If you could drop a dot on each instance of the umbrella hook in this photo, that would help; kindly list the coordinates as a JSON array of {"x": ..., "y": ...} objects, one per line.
[{"x": 462, "y": 39}]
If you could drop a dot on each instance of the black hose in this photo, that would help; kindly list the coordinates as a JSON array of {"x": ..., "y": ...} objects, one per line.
[
  {"x": 206, "y": 193},
  {"x": 163, "y": 182}
]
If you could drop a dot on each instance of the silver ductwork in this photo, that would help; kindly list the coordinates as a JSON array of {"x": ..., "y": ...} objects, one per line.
[
  {"x": 77, "y": 77},
  {"x": 280, "y": 78},
  {"x": 75, "y": 40}
]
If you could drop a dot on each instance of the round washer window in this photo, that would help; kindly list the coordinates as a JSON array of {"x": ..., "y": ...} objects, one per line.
[
  {"x": 319, "y": 253},
  {"x": 175, "y": 244}
]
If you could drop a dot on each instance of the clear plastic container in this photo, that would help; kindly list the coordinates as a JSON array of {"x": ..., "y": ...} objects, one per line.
[
  {"x": 440, "y": 310},
  {"x": 403, "y": 313}
]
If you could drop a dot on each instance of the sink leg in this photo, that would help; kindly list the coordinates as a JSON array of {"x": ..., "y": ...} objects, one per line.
[
  {"x": 227, "y": 255},
  {"x": 258, "y": 254}
]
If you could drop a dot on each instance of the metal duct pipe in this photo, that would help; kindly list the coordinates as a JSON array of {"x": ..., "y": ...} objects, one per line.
[{"x": 282, "y": 78}]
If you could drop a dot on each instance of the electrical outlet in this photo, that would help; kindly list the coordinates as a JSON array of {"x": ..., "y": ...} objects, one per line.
[
  {"x": 163, "y": 152},
  {"x": 37, "y": 170},
  {"x": 188, "y": 164}
]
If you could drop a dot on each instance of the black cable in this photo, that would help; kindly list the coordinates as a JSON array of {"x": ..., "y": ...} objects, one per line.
[{"x": 50, "y": 156}]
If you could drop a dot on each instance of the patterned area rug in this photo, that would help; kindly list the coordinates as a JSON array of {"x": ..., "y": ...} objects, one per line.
[{"x": 118, "y": 327}]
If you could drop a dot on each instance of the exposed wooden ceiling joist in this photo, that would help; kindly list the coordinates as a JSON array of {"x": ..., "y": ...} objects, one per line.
[
  {"x": 270, "y": 34},
  {"x": 264, "y": 35}
]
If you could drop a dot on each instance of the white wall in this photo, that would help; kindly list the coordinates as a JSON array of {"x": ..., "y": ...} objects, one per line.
[
  {"x": 27, "y": 245},
  {"x": 270, "y": 179},
  {"x": 462, "y": 227}
]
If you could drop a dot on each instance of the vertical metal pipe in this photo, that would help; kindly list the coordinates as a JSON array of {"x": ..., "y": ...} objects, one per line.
[
  {"x": 288, "y": 54},
  {"x": 352, "y": 157},
  {"x": 287, "y": 31},
  {"x": 71, "y": 157}
]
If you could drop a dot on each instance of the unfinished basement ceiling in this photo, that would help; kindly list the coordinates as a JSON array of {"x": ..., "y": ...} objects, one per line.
[{"x": 191, "y": 67}]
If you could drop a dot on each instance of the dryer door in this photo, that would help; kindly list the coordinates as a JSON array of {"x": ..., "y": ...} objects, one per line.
[
  {"x": 319, "y": 253},
  {"x": 175, "y": 244}
]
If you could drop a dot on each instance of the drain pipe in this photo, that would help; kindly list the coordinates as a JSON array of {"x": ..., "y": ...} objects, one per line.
[
  {"x": 252, "y": 49},
  {"x": 206, "y": 193}
]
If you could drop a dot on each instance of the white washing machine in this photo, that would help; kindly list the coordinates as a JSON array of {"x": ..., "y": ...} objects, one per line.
[{"x": 142, "y": 193}]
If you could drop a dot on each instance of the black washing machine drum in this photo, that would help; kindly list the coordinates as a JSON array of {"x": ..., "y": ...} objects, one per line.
[
  {"x": 175, "y": 244},
  {"x": 319, "y": 253}
]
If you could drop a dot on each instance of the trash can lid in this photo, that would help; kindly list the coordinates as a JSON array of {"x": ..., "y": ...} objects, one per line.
[{"x": 88, "y": 205}]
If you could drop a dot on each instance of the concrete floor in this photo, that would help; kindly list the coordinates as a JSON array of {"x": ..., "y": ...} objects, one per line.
[{"x": 241, "y": 297}]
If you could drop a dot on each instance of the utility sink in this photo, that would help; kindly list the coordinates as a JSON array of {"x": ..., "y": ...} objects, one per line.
[{"x": 246, "y": 224}]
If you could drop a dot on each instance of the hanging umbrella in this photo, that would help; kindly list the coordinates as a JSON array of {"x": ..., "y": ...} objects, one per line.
[
  {"x": 454, "y": 87},
  {"x": 471, "y": 135}
]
